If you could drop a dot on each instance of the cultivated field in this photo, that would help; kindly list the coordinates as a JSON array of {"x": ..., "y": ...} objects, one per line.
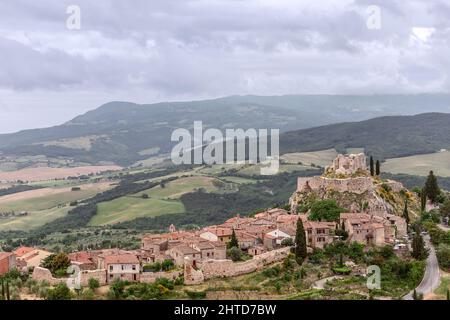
[
  {"x": 161, "y": 201},
  {"x": 33, "y": 220},
  {"x": 175, "y": 189},
  {"x": 320, "y": 158},
  {"x": 256, "y": 169},
  {"x": 45, "y": 173},
  {"x": 131, "y": 207},
  {"x": 420, "y": 164},
  {"x": 43, "y": 205}
]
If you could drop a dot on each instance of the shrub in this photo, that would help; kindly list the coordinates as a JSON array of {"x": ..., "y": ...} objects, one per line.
[
  {"x": 88, "y": 294},
  {"x": 167, "y": 265},
  {"x": 325, "y": 210},
  {"x": 443, "y": 256},
  {"x": 287, "y": 242},
  {"x": 93, "y": 283},
  {"x": 272, "y": 272},
  {"x": 341, "y": 270},
  {"x": 60, "y": 292},
  {"x": 235, "y": 254},
  {"x": 196, "y": 294}
]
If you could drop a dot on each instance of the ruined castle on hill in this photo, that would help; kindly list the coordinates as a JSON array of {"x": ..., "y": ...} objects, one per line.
[{"x": 349, "y": 182}]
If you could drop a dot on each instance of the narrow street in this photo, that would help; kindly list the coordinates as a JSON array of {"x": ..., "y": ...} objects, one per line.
[{"x": 431, "y": 278}]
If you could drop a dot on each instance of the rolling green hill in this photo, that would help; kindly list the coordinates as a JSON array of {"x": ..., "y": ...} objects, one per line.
[
  {"x": 125, "y": 133},
  {"x": 384, "y": 137}
]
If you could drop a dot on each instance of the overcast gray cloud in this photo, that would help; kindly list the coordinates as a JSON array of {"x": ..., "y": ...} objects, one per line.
[{"x": 148, "y": 51}]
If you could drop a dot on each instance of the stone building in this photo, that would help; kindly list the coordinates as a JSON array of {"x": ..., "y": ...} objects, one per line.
[
  {"x": 7, "y": 262},
  {"x": 348, "y": 164},
  {"x": 120, "y": 266}
]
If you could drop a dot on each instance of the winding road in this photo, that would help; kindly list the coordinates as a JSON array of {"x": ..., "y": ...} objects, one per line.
[{"x": 431, "y": 278}]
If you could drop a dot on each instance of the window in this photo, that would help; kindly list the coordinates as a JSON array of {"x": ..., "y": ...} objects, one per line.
[
  {"x": 110, "y": 276},
  {"x": 122, "y": 267},
  {"x": 110, "y": 268},
  {"x": 134, "y": 268}
]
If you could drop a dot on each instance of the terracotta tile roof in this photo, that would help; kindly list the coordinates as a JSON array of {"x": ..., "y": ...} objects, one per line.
[
  {"x": 80, "y": 256},
  {"x": 319, "y": 225},
  {"x": 288, "y": 218},
  {"x": 218, "y": 244},
  {"x": 4, "y": 255},
  {"x": 185, "y": 249},
  {"x": 203, "y": 245},
  {"x": 220, "y": 231},
  {"x": 289, "y": 231},
  {"x": 121, "y": 258},
  {"x": 23, "y": 250}
]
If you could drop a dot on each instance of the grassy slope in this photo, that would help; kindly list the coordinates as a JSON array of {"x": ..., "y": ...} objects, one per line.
[
  {"x": 162, "y": 201},
  {"x": 33, "y": 220},
  {"x": 420, "y": 164},
  {"x": 321, "y": 158},
  {"x": 43, "y": 209}
]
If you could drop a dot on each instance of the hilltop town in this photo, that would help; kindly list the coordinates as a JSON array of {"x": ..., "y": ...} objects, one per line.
[{"x": 367, "y": 218}]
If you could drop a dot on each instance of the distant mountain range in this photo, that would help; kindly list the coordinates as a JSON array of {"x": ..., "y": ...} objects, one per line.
[
  {"x": 383, "y": 137},
  {"x": 124, "y": 133}
]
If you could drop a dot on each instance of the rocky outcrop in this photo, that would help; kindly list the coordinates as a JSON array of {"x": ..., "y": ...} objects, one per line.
[{"x": 348, "y": 182}]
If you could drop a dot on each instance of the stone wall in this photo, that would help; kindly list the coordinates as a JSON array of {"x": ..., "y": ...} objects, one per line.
[
  {"x": 41, "y": 274},
  {"x": 227, "y": 268},
  {"x": 357, "y": 185},
  {"x": 150, "y": 277},
  {"x": 99, "y": 274}
]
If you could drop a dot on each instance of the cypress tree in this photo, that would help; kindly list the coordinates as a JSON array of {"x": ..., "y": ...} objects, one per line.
[
  {"x": 300, "y": 242},
  {"x": 405, "y": 212},
  {"x": 7, "y": 290},
  {"x": 377, "y": 168},
  {"x": 432, "y": 187},
  {"x": 448, "y": 294},
  {"x": 423, "y": 200},
  {"x": 418, "y": 246},
  {"x": 372, "y": 170},
  {"x": 234, "y": 243},
  {"x": 3, "y": 289},
  {"x": 415, "y": 295}
]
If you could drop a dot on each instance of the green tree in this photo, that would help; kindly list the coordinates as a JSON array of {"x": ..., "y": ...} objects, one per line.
[
  {"x": 405, "y": 212},
  {"x": 300, "y": 242},
  {"x": 56, "y": 263},
  {"x": 325, "y": 210},
  {"x": 443, "y": 255},
  {"x": 235, "y": 254},
  {"x": 287, "y": 242},
  {"x": 414, "y": 295},
  {"x": 167, "y": 265},
  {"x": 93, "y": 283},
  {"x": 432, "y": 188},
  {"x": 60, "y": 292},
  {"x": 419, "y": 252},
  {"x": 377, "y": 168},
  {"x": 445, "y": 208},
  {"x": 372, "y": 169},
  {"x": 234, "y": 243},
  {"x": 423, "y": 200}
]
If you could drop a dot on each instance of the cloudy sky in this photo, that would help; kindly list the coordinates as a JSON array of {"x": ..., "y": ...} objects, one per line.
[{"x": 149, "y": 51}]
